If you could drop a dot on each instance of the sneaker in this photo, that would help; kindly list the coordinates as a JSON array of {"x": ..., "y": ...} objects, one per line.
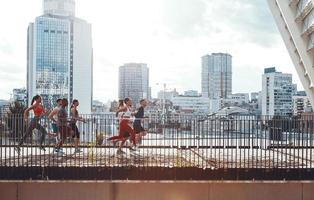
[
  {"x": 77, "y": 150},
  {"x": 59, "y": 151},
  {"x": 132, "y": 148},
  {"x": 42, "y": 148},
  {"x": 119, "y": 151},
  {"x": 18, "y": 150},
  {"x": 114, "y": 143}
]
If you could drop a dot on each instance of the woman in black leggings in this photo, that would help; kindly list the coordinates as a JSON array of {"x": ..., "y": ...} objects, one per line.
[
  {"x": 74, "y": 118},
  {"x": 39, "y": 111}
]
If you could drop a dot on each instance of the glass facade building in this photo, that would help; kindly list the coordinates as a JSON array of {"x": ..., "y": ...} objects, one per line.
[
  {"x": 217, "y": 76},
  {"x": 52, "y": 58},
  {"x": 59, "y": 56},
  {"x": 134, "y": 82},
  {"x": 277, "y": 93}
]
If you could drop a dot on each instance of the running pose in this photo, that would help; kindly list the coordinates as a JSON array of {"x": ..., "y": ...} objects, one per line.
[
  {"x": 74, "y": 118},
  {"x": 53, "y": 116},
  {"x": 125, "y": 126},
  {"x": 137, "y": 124},
  {"x": 63, "y": 127},
  {"x": 39, "y": 111}
]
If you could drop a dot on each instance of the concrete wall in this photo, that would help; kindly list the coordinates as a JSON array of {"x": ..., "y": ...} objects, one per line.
[{"x": 157, "y": 191}]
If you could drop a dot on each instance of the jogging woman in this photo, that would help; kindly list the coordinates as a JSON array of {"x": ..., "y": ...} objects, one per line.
[
  {"x": 74, "y": 118},
  {"x": 125, "y": 126},
  {"x": 39, "y": 111},
  {"x": 64, "y": 129}
]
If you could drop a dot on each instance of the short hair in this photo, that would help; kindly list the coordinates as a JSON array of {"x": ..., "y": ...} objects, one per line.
[
  {"x": 75, "y": 101},
  {"x": 58, "y": 100},
  {"x": 142, "y": 100}
]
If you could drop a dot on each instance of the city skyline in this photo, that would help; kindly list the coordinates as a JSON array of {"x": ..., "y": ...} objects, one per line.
[{"x": 175, "y": 43}]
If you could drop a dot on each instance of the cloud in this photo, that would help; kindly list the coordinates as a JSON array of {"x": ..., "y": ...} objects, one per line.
[
  {"x": 235, "y": 21},
  {"x": 6, "y": 48}
]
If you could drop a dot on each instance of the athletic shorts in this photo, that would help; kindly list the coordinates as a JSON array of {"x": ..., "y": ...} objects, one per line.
[
  {"x": 65, "y": 131},
  {"x": 138, "y": 128},
  {"x": 54, "y": 128},
  {"x": 76, "y": 133}
]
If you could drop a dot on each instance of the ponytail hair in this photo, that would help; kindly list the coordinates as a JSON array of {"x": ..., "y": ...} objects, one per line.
[
  {"x": 73, "y": 102},
  {"x": 121, "y": 103},
  {"x": 126, "y": 100},
  {"x": 35, "y": 98}
]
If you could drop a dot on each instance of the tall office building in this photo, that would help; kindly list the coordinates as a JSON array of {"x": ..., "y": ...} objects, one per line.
[
  {"x": 295, "y": 21},
  {"x": 134, "y": 82},
  {"x": 20, "y": 95},
  {"x": 60, "y": 56},
  {"x": 217, "y": 76},
  {"x": 277, "y": 92},
  {"x": 301, "y": 103}
]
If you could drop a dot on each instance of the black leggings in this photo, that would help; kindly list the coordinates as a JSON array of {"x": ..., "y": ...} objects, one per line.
[
  {"x": 34, "y": 124},
  {"x": 76, "y": 131}
]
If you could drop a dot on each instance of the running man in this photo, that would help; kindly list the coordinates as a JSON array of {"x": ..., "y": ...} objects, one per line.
[
  {"x": 53, "y": 116},
  {"x": 74, "y": 118},
  {"x": 137, "y": 124},
  {"x": 39, "y": 111},
  {"x": 63, "y": 127}
]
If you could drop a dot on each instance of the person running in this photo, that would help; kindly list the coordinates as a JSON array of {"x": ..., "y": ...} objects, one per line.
[
  {"x": 53, "y": 116},
  {"x": 119, "y": 114},
  {"x": 137, "y": 124},
  {"x": 125, "y": 126},
  {"x": 74, "y": 118},
  {"x": 63, "y": 127},
  {"x": 39, "y": 111}
]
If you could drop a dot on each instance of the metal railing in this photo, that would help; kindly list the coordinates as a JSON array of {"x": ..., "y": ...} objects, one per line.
[{"x": 233, "y": 142}]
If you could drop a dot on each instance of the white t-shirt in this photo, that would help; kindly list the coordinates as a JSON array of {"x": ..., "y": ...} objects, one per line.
[{"x": 56, "y": 109}]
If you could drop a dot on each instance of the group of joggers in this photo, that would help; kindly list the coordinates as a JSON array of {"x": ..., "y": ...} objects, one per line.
[
  {"x": 62, "y": 126},
  {"x": 130, "y": 123}
]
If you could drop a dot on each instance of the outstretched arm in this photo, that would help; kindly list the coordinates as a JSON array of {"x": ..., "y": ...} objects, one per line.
[
  {"x": 26, "y": 112},
  {"x": 123, "y": 109},
  {"x": 52, "y": 114}
]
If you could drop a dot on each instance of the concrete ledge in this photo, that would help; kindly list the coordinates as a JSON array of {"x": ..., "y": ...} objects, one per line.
[
  {"x": 152, "y": 174},
  {"x": 156, "y": 191}
]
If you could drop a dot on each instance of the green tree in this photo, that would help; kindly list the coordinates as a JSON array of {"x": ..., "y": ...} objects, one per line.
[{"x": 15, "y": 121}]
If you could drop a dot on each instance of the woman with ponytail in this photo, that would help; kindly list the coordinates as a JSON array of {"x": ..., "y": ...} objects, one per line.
[
  {"x": 74, "y": 118},
  {"x": 125, "y": 126},
  {"x": 39, "y": 111}
]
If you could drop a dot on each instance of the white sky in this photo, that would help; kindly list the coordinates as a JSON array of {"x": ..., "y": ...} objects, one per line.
[{"x": 169, "y": 35}]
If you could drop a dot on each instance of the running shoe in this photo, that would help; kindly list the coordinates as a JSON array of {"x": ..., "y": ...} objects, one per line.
[
  {"x": 77, "y": 150},
  {"x": 119, "y": 151},
  {"x": 42, "y": 148},
  {"x": 132, "y": 148},
  {"x": 59, "y": 151},
  {"x": 18, "y": 150}
]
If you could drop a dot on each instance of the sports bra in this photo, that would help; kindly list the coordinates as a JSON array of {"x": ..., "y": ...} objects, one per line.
[
  {"x": 38, "y": 110},
  {"x": 127, "y": 113}
]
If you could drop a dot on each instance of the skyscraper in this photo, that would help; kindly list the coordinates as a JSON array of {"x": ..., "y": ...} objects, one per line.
[
  {"x": 134, "y": 82},
  {"x": 60, "y": 56},
  {"x": 277, "y": 92},
  {"x": 217, "y": 76},
  {"x": 295, "y": 21}
]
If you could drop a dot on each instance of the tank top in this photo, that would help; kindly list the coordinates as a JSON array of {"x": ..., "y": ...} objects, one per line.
[
  {"x": 57, "y": 108},
  {"x": 38, "y": 110},
  {"x": 127, "y": 113},
  {"x": 73, "y": 117}
]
